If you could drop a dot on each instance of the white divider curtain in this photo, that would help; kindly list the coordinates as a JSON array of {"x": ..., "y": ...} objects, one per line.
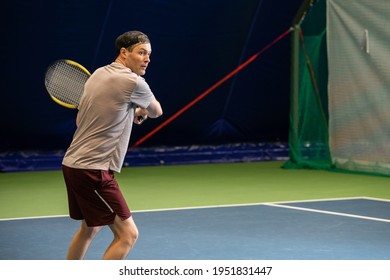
[{"x": 358, "y": 43}]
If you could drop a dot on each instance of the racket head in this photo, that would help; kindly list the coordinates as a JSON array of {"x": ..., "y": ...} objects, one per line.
[{"x": 64, "y": 81}]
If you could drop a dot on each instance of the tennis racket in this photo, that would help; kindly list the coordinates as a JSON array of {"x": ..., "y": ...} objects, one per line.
[{"x": 64, "y": 81}]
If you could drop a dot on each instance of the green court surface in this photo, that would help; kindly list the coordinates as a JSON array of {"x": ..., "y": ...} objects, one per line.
[{"x": 30, "y": 194}]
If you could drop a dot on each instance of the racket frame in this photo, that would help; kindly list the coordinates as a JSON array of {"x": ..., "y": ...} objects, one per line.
[{"x": 78, "y": 65}]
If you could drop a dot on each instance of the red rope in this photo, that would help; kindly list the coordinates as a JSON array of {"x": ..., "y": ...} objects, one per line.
[{"x": 208, "y": 91}]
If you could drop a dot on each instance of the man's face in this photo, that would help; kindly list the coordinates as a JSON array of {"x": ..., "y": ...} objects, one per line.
[{"x": 138, "y": 58}]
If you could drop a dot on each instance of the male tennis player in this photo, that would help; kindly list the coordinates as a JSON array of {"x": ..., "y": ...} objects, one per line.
[{"x": 114, "y": 97}]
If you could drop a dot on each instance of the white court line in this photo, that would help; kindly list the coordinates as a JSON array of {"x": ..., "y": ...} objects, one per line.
[
  {"x": 275, "y": 203},
  {"x": 328, "y": 212},
  {"x": 35, "y": 217}
]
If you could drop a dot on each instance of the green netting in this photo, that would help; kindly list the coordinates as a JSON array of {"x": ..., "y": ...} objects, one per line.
[{"x": 308, "y": 138}]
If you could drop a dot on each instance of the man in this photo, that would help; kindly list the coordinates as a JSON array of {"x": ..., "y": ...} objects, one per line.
[{"x": 114, "y": 97}]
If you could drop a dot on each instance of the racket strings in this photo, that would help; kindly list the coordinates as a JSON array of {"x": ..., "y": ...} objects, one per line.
[{"x": 66, "y": 82}]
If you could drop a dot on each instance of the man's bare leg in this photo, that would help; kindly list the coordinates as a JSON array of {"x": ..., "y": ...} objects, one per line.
[
  {"x": 125, "y": 235},
  {"x": 81, "y": 241}
]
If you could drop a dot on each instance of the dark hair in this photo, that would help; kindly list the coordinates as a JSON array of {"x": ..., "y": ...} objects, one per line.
[{"x": 130, "y": 38}]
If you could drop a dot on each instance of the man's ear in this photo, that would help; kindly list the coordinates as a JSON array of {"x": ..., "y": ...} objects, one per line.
[{"x": 123, "y": 52}]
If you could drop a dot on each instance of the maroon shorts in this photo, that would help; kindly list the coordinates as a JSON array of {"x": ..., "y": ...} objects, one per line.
[{"x": 94, "y": 196}]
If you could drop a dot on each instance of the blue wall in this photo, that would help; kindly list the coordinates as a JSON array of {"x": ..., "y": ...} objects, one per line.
[{"x": 195, "y": 44}]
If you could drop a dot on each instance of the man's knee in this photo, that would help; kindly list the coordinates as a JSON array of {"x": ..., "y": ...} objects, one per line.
[
  {"x": 132, "y": 235},
  {"x": 126, "y": 231}
]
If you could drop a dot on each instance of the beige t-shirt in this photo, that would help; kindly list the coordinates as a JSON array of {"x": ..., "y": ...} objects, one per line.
[{"x": 106, "y": 114}]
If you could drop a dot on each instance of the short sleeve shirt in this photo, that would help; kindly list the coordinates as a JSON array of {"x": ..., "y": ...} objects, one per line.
[{"x": 106, "y": 113}]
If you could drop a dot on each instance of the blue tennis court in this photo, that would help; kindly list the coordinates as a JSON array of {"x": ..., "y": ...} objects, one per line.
[{"x": 340, "y": 229}]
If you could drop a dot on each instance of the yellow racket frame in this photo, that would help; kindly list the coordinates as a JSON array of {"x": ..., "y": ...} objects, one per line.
[{"x": 84, "y": 70}]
